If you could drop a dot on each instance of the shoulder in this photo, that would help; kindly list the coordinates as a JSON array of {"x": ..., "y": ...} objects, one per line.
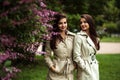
[
  {"x": 80, "y": 35},
  {"x": 71, "y": 33}
]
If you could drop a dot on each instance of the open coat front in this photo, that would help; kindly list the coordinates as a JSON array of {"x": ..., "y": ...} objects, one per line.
[
  {"x": 61, "y": 59},
  {"x": 84, "y": 56}
]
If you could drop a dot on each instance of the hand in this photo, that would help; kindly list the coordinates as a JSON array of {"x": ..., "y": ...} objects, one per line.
[
  {"x": 75, "y": 65},
  {"x": 52, "y": 68},
  {"x": 87, "y": 71}
]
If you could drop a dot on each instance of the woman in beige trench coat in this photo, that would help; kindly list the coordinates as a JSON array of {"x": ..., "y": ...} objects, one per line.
[
  {"x": 86, "y": 44},
  {"x": 60, "y": 63}
]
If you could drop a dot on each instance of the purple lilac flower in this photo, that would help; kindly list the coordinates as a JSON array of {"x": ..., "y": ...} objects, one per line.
[
  {"x": 6, "y": 3},
  {"x": 42, "y": 5},
  {"x": 7, "y": 40},
  {"x": 3, "y": 57}
]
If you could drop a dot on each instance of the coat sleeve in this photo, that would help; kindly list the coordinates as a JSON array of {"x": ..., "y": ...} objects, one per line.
[
  {"x": 77, "y": 52},
  {"x": 48, "y": 55}
]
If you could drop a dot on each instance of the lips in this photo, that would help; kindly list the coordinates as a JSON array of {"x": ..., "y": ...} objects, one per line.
[
  {"x": 83, "y": 27},
  {"x": 63, "y": 27}
]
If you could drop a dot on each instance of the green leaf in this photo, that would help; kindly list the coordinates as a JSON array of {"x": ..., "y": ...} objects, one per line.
[{"x": 7, "y": 63}]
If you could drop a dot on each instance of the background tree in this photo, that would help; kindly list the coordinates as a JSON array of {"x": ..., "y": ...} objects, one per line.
[
  {"x": 103, "y": 11},
  {"x": 111, "y": 12}
]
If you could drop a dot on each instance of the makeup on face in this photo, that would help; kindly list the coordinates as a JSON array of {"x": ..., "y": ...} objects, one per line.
[
  {"x": 62, "y": 24},
  {"x": 84, "y": 24}
]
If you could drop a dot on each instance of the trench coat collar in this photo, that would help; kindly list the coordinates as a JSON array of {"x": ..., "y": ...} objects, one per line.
[
  {"x": 89, "y": 41},
  {"x": 70, "y": 33}
]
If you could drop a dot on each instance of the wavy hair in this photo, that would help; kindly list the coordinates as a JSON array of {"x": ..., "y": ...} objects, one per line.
[
  {"x": 92, "y": 29},
  {"x": 56, "y": 29}
]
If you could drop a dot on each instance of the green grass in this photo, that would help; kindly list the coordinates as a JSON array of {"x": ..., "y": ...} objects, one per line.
[
  {"x": 109, "y": 65},
  {"x": 36, "y": 70},
  {"x": 110, "y": 39}
]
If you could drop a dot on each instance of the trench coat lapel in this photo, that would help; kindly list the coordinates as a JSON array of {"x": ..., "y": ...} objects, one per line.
[{"x": 89, "y": 41}]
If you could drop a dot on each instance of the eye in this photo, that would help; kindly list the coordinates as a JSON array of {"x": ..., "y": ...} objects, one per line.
[
  {"x": 80, "y": 22},
  {"x": 65, "y": 22},
  {"x": 85, "y": 21},
  {"x": 60, "y": 23}
]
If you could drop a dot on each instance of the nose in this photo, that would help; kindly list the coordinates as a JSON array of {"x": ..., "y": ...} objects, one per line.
[
  {"x": 63, "y": 24},
  {"x": 82, "y": 23}
]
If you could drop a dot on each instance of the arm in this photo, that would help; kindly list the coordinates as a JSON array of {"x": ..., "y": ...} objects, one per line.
[
  {"x": 48, "y": 54},
  {"x": 77, "y": 52}
]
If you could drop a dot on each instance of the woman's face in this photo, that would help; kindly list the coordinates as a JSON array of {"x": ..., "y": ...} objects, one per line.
[
  {"x": 84, "y": 24},
  {"x": 62, "y": 24}
]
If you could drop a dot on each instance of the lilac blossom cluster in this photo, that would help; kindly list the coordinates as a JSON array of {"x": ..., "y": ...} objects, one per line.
[
  {"x": 11, "y": 72},
  {"x": 7, "y": 40}
]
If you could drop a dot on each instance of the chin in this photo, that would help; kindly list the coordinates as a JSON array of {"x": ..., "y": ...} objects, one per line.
[
  {"x": 63, "y": 30},
  {"x": 83, "y": 29}
]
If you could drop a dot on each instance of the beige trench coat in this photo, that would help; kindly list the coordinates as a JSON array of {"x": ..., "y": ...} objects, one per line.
[
  {"x": 84, "y": 56},
  {"x": 62, "y": 59}
]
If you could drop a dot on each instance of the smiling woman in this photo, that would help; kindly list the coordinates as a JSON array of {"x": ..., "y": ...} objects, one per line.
[
  {"x": 86, "y": 44},
  {"x": 62, "y": 24},
  {"x": 61, "y": 66}
]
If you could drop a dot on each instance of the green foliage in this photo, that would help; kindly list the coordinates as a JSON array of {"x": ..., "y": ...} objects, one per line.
[
  {"x": 73, "y": 22},
  {"x": 23, "y": 25},
  {"x": 96, "y": 7},
  {"x": 75, "y": 7},
  {"x": 7, "y": 63},
  {"x": 103, "y": 11},
  {"x": 19, "y": 22},
  {"x": 117, "y": 3},
  {"x": 111, "y": 12},
  {"x": 99, "y": 20},
  {"x": 55, "y": 5},
  {"x": 110, "y": 27},
  {"x": 118, "y": 26}
]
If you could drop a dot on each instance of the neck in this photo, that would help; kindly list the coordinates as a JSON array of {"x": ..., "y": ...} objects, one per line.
[
  {"x": 63, "y": 34},
  {"x": 88, "y": 33}
]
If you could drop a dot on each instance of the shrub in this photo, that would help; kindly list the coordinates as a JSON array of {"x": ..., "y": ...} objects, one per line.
[{"x": 23, "y": 25}]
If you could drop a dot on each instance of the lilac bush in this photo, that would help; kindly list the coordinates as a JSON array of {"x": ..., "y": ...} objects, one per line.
[{"x": 23, "y": 25}]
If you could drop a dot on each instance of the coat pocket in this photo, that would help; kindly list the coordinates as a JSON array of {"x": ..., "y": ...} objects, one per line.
[{"x": 87, "y": 68}]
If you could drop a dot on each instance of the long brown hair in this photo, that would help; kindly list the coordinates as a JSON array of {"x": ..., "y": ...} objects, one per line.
[
  {"x": 56, "y": 29},
  {"x": 92, "y": 29}
]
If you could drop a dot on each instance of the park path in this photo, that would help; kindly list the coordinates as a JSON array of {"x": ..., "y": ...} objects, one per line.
[
  {"x": 109, "y": 48},
  {"x": 105, "y": 48}
]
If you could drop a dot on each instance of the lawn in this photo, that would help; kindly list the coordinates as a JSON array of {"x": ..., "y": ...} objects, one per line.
[
  {"x": 109, "y": 66},
  {"x": 110, "y": 39},
  {"x": 37, "y": 70}
]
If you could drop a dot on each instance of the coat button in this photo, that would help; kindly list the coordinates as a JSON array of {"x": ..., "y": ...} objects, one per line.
[
  {"x": 90, "y": 54},
  {"x": 90, "y": 45}
]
